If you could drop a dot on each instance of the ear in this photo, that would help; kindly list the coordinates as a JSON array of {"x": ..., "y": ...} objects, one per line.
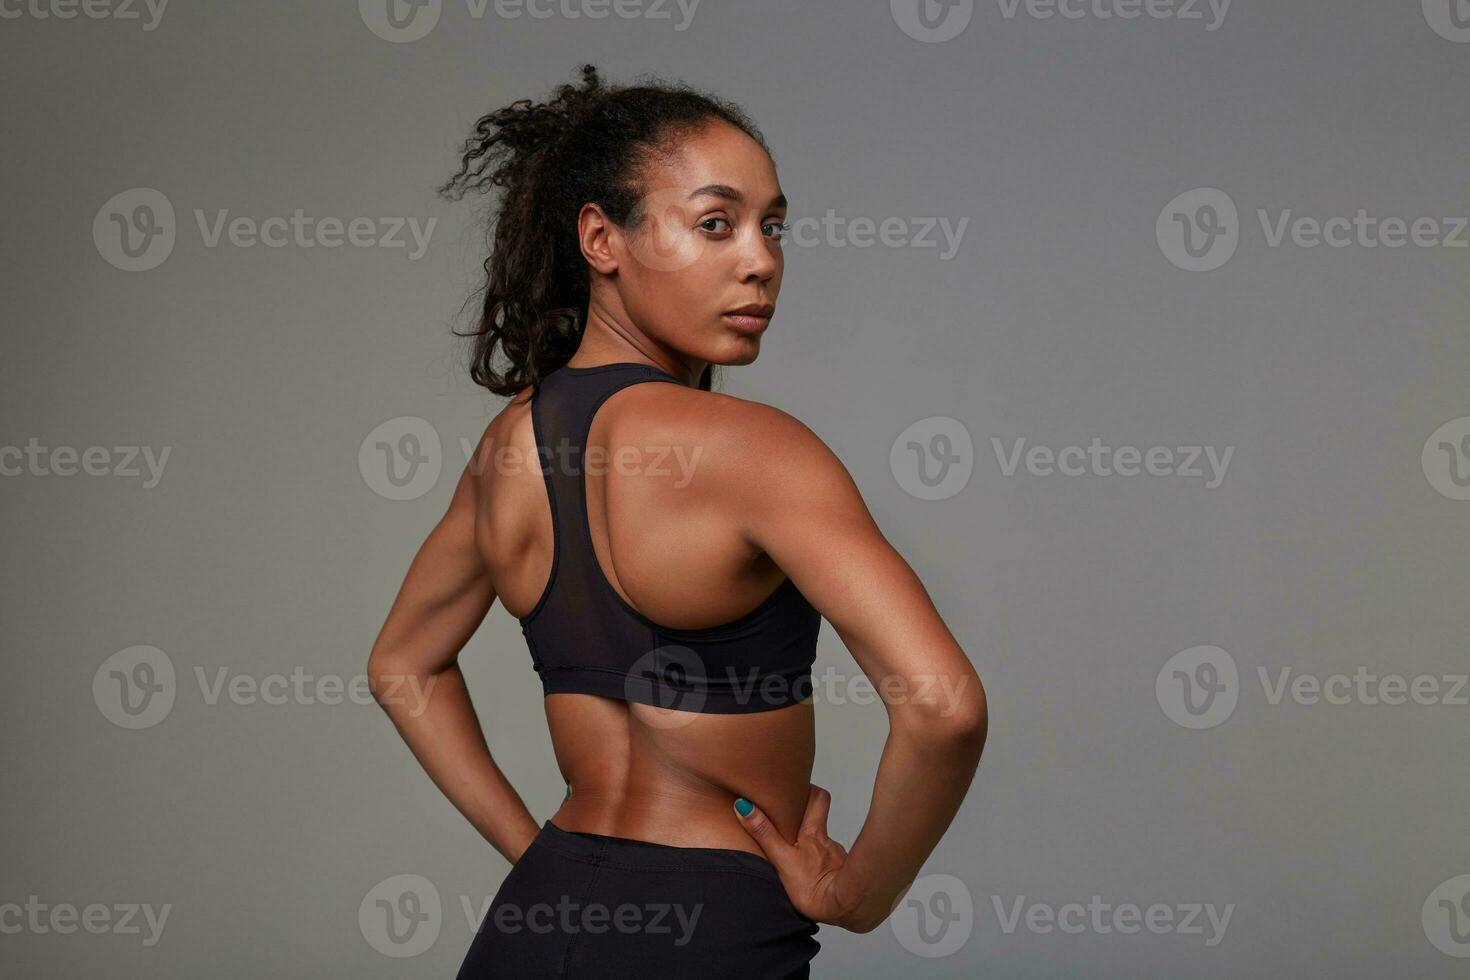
[{"x": 599, "y": 238}]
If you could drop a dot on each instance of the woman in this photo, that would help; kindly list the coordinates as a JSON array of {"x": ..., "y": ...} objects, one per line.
[{"x": 669, "y": 551}]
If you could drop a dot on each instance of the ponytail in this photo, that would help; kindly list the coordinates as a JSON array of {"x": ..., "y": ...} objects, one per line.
[{"x": 588, "y": 143}]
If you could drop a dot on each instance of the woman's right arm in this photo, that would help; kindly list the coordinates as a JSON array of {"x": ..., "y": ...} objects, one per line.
[
  {"x": 414, "y": 671},
  {"x": 799, "y": 505}
]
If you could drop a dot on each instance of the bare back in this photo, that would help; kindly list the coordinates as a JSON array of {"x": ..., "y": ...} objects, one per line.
[{"x": 637, "y": 770}]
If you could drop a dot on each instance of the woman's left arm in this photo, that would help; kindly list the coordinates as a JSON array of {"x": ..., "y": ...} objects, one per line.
[{"x": 414, "y": 674}]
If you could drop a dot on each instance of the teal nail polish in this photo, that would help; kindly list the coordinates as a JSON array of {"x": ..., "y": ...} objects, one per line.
[
  {"x": 569, "y": 790},
  {"x": 743, "y": 806}
]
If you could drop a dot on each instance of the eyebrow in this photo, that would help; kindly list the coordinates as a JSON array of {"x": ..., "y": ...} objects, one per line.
[{"x": 731, "y": 194}]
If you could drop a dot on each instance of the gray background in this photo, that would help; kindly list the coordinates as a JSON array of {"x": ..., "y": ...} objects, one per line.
[{"x": 266, "y": 548}]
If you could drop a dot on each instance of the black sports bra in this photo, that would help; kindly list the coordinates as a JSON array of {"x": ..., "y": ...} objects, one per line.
[{"x": 585, "y": 638}]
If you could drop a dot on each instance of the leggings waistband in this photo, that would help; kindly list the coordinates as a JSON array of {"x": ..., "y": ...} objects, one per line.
[{"x": 641, "y": 855}]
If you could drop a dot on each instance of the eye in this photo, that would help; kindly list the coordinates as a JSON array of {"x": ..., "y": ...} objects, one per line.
[
  {"x": 781, "y": 228},
  {"x": 704, "y": 224}
]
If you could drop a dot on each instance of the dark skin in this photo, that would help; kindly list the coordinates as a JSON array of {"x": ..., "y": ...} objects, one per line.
[{"x": 757, "y": 497}]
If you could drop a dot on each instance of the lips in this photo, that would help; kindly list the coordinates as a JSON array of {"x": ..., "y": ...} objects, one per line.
[
  {"x": 751, "y": 323},
  {"x": 750, "y": 318},
  {"x": 762, "y": 310}
]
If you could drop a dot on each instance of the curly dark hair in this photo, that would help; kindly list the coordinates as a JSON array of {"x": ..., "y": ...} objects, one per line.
[{"x": 591, "y": 143}]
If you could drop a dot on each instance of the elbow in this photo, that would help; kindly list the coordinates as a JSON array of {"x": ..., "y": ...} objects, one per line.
[
  {"x": 862, "y": 926},
  {"x": 965, "y": 729},
  {"x": 378, "y": 680},
  {"x": 385, "y": 680},
  {"x": 401, "y": 687},
  {"x": 958, "y": 719},
  {"x": 973, "y": 717},
  {"x": 377, "y": 666}
]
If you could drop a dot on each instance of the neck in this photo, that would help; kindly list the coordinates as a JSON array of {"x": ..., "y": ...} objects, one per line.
[{"x": 607, "y": 341}]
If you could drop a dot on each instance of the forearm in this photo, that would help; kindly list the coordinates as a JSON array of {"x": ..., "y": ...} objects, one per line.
[
  {"x": 436, "y": 718},
  {"x": 922, "y": 780}
]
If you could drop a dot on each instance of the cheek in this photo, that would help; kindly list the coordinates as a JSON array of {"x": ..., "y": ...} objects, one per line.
[
  {"x": 690, "y": 289},
  {"x": 663, "y": 247},
  {"x": 667, "y": 303}
]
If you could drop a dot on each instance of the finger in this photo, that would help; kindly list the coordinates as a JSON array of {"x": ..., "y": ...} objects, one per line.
[
  {"x": 759, "y": 826},
  {"x": 814, "y": 821}
]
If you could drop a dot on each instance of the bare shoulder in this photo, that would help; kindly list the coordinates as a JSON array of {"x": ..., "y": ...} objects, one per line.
[
  {"x": 748, "y": 448},
  {"x": 511, "y": 422},
  {"x": 508, "y": 433}
]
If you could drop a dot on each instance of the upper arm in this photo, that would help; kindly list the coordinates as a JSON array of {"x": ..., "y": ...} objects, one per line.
[
  {"x": 798, "y": 504},
  {"x": 444, "y": 596}
]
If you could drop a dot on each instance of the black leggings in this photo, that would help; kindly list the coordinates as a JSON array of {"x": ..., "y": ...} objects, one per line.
[{"x": 588, "y": 905}]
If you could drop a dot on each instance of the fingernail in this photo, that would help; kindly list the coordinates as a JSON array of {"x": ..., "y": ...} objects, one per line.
[
  {"x": 743, "y": 806},
  {"x": 569, "y": 790}
]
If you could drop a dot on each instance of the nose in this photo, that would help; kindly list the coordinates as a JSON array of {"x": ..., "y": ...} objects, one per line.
[{"x": 759, "y": 257}]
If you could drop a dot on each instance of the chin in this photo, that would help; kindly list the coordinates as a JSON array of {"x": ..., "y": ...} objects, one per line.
[{"x": 742, "y": 350}]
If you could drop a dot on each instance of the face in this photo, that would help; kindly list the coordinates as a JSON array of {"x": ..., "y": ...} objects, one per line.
[{"x": 709, "y": 244}]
